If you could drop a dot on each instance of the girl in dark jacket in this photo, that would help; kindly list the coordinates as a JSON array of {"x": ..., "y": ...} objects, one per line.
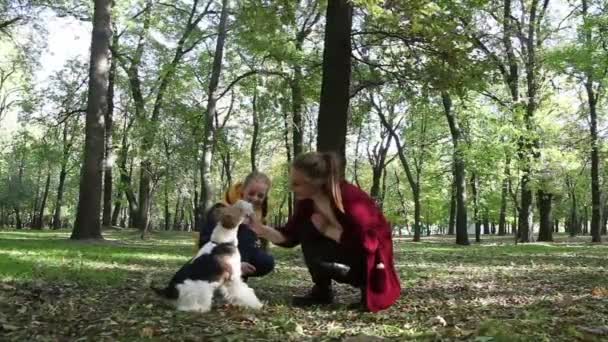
[{"x": 256, "y": 262}]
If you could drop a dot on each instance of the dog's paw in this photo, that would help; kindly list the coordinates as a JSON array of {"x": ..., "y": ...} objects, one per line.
[
  {"x": 245, "y": 206},
  {"x": 256, "y": 306}
]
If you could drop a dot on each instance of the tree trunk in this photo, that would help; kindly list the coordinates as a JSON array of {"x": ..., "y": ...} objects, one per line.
[
  {"x": 374, "y": 191},
  {"x": 502, "y": 218},
  {"x": 335, "y": 86},
  {"x": 524, "y": 229},
  {"x": 297, "y": 105},
  {"x": 573, "y": 226},
  {"x": 414, "y": 182},
  {"x": 605, "y": 220},
  {"x": 145, "y": 185},
  {"x": 117, "y": 209},
  {"x": 18, "y": 222},
  {"x": 592, "y": 99},
  {"x": 462, "y": 237},
  {"x": 167, "y": 213},
  {"x": 476, "y": 218},
  {"x": 176, "y": 215},
  {"x": 452, "y": 219},
  {"x": 290, "y": 199},
  {"x": 45, "y": 194},
  {"x": 545, "y": 232},
  {"x": 417, "y": 227},
  {"x": 59, "y": 201},
  {"x": 109, "y": 148},
  {"x": 88, "y": 225},
  {"x": 486, "y": 222},
  {"x": 256, "y": 131},
  {"x": 383, "y": 189},
  {"x": 586, "y": 220},
  {"x": 205, "y": 162},
  {"x": 33, "y": 218}
]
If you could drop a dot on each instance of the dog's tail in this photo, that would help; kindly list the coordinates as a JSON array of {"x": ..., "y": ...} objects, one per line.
[{"x": 168, "y": 292}]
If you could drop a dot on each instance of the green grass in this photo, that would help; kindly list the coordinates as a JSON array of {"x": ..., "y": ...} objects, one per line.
[{"x": 52, "y": 288}]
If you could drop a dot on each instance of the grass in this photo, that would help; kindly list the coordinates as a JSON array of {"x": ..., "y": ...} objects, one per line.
[{"x": 52, "y": 289}]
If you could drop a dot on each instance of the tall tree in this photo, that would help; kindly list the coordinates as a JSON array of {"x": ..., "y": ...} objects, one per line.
[
  {"x": 109, "y": 148},
  {"x": 593, "y": 83},
  {"x": 88, "y": 225},
  {"x": 210, "y": 113},
  {"x": 335, "y": 87},
  {"x": 462, "y": 237}
]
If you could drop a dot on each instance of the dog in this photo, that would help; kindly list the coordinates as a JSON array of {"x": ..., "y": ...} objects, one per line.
[{"x": 216, "y": 266}]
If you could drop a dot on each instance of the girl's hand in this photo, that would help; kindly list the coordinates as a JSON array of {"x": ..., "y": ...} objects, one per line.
[
  {"x": 255, "y": 225},
  {"x": 247, "y": 268}
]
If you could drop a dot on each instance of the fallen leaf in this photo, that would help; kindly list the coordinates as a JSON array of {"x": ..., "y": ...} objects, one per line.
[
  {"x": 363, "y": 338},
  {"x": 438, "y": 320},
  {"x": 7, "y": 287},
  {"x": 603, "y": 330},
  {"x": 146, "y": 332},
  {"x": 601, "y": 292},
  {"x": 9, "y": 327}
]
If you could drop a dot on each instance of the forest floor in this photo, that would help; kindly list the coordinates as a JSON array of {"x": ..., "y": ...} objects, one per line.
[{"x": 54, "y": 289}]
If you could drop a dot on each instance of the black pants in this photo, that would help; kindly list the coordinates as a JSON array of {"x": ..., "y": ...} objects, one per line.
[{"x": 319, "y": 251}]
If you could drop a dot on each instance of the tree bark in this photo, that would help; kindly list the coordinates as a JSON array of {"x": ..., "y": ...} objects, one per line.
[
  {"x": 18, "y": 222},
  {"x": 88, "y": 225},
  {"x": 335, "y": 86},
  {"x": 176, "y": 215},
  {"x": 452, "y": 219},
  {"x": 573, "y": 224},
  {"x": 106, "y": 219},
  {"x": 486, "y": 222},
  {"x": 605, "y": 220},
  {"x": 476, "y": 217},
  {"x": 205, "y": 162},
  {"x": 462, "y": 237},
  {"x": 256, "y": 131},
  {"x": 45, "y": 194},
  {"x": 592, "y": 99},
  {"x": 502, "y": 218},
  {"x": 167, "y": 212},
  {"x": 297, "y": 104},
  {"x": 62, "y": 175},
  {"x": 544, "y": 209}
]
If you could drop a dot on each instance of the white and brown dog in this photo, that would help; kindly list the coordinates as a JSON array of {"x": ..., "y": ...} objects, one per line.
[{"x": 216, "y": 266}]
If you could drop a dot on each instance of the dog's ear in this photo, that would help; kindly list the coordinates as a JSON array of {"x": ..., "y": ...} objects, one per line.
[
  {"x": 231, "y": 217},
  {"x": 214, "y": 214},
  {"x": 217, "y": 213}
]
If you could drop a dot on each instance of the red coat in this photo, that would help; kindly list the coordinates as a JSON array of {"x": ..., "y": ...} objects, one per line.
[{"x": 366, "y": 231}]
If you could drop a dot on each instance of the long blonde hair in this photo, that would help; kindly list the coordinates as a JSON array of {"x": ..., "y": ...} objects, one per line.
[{"x": 323, "y": 168}]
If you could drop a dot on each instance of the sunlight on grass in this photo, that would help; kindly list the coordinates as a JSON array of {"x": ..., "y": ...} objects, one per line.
[{"x": 498, "y": 292}]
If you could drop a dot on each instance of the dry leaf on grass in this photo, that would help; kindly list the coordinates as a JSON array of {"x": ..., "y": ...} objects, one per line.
[
  {"x": 146, "y": 332},
  {"x": 601, "y": 292},
  {"x": 602, "y": 331}
]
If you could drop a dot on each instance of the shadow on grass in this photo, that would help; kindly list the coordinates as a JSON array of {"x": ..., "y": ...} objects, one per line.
[{"x": 62, "y": 290}]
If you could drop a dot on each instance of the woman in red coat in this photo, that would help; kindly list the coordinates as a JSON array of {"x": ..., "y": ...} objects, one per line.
[{"x": 343, "y": 234}]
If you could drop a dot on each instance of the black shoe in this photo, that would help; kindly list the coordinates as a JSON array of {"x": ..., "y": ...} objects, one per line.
[
  {"x": 336, "y": 270},
  {"x": 360, "y": 305},
  {"x": 317, "y": 296}
]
